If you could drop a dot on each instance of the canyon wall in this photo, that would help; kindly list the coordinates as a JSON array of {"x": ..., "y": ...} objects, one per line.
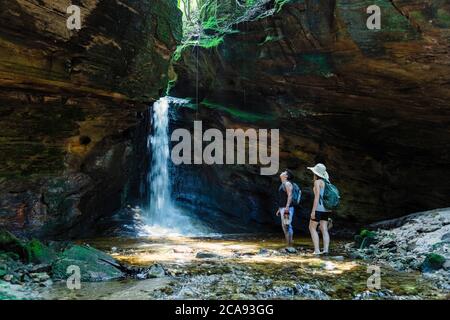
[
  {"x": 373, "y": 105},
  {"x": 74, "y": 108}
]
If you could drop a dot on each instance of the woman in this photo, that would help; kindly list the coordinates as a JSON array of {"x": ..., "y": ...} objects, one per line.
[{"x": 319, "y": 214}]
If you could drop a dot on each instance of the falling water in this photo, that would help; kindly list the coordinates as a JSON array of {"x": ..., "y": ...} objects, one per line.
[
  {"x": 158, "y": 178},
  {"x": 163, "y": 216}
]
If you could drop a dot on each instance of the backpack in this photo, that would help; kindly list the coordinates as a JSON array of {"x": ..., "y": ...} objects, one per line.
[
  {"x": 331, "y": 197},
  {"x": 296, "y": 193}
]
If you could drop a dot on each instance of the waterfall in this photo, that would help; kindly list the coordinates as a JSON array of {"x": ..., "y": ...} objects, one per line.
[
  {"x": 158, "y": 178},
  {"x": 162, "y": 215}
]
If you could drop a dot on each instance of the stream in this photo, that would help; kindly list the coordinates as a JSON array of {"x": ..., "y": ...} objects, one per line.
[{"x": 241, "y": 267}]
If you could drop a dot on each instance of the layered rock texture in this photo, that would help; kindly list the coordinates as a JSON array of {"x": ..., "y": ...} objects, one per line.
[
  {"x": 373, "y": 105},
  {"x": 74, "y": 107}
]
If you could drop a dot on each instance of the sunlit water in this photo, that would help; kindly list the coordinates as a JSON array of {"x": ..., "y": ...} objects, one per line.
[
  {"x": 163, "y": 217},
  {"x": 237, "y": 271}
]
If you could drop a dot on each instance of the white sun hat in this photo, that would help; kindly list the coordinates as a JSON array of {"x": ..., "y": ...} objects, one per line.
[{"x": 320, "y": 170}]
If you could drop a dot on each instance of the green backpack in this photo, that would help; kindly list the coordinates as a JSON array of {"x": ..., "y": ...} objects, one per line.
[{"x": 331, "y": 197}]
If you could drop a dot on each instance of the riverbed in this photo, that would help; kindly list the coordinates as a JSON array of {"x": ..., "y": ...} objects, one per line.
[{"x": 242, "y": 267}]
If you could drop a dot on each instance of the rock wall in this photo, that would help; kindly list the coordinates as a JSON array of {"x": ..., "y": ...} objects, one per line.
[
  {"x": 370, "y": 104},
  {"x": 74, "y": 107}
]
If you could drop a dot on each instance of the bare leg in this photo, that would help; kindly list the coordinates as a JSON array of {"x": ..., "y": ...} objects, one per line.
[
  {"x": 325, "y": 235},
  {"x": 314, "y": 235},
  {"x": 285, "y": 230}
]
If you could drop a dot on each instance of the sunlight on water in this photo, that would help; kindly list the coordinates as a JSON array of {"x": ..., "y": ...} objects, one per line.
[{"x": 163, "y": 218}]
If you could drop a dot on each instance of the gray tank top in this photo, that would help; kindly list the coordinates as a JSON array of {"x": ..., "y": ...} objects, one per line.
[{"x": 320, "y": 206}]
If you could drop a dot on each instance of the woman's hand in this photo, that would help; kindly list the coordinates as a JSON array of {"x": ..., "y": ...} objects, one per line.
[
  {"x": 277, "y": 213},
  {"x": 313, "y": 215}
]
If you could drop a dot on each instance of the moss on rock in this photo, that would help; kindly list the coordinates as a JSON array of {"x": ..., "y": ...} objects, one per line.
[
  {"x": 432, "y": 262},
  {"x": 94, "y": 265},
  {"x": 37, "y": 252}
]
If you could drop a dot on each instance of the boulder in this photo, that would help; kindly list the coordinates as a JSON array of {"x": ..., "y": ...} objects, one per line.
[
  {"x": 94, "y": 265},
  {"x": 432, "y": 262},
  {"x": 206, "y": 255},
  {"x": 39, "y": 253},
  {"x": 11, "y": 244}
]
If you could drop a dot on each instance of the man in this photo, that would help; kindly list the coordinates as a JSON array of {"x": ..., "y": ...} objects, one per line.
[{"x": 286, "y": 206}]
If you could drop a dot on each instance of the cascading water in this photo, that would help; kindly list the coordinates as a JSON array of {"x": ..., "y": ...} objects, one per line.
[
  {"x": 163, "y": 217},
  {"x": 158, "y": 178}
]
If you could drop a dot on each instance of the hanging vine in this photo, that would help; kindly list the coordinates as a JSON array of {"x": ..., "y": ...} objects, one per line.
[{"x": 207, "y": 21}]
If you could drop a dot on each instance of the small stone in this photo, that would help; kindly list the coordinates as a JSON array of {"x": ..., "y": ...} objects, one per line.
[
  {"x": 8, "y": 277},
  {"x": 446, "y": 237},
  {"x": 446, "y": 265},
  {"x": 291, "y": 250},
  {"x": 263, "y": 251},
  {"x": 156, "y": 271},
  {"x": 206, "y": 255},
  {"x": 40, "y": 277},
  {"x": 337, "y": 258}
]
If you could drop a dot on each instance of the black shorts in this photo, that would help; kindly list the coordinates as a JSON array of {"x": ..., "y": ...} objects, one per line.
[{"x": 321, "y": 216}]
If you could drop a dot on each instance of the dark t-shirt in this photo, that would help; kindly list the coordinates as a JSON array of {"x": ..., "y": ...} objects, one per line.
[{"x": 283, "y": 197}]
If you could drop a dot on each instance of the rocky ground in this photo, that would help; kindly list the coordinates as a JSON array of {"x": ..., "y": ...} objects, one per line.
[
  {"x": 28, "y": 267},
  {"x": 412, "y": 253},
  {"x": 418, "y": 242}
]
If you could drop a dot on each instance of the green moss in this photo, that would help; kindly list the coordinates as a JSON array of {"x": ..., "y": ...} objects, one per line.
[
  {"x": 37, "y": 252},
  {"x": 443, "y": 18},
  {"x": 364, "y": 239},
  {"x": 94, "y": 265},
  {"x": 367, "y": 233},
  {"x": 432, "y": 262},
  {"x": 239, "y": 114}
]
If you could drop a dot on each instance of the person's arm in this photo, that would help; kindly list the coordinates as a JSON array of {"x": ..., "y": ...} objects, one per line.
[
  {"x": 316, "y": 198},
  {"x": 289, "y": 188},
  {"x": 277, "y": 213}
]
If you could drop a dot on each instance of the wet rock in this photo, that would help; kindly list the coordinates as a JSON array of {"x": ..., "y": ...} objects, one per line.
[
  {"x": 183, "y": 250},
  {"x": 39, "y": 277},
  {"x": 207, "y": 255},
  {"x": 446, "y": 265},
  {"x": 156, "y": 271},
  {"x": 432, "y": 262},
  {"x": 374, "y": 295},
  {"x": 291, "y": 250},
  {"x": 10, "y": 243},
  {"x": 446, "y": 237},
  {"x": 8, "y": 277},
  {"x": 310, "y": 292},
  {"x": 94, "y": 265},
  {"x": 39, "y": 253},
  {"x": 338, "y": 258},
  {"x": 35, "y": 268}
]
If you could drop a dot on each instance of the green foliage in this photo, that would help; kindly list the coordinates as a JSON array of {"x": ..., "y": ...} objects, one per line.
[
  {"x": 37, "y": 252},
  {"x": 364, "y": 239},
  {"x": 205, "y": 22},
  {"x": 432, "y": 262},
  {"x": 367, "y": 233}
]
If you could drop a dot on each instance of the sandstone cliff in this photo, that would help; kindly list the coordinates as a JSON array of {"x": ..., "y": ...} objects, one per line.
[
  {"x": 373, "y": 105},
  {"x": 73, "y": 107}
]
